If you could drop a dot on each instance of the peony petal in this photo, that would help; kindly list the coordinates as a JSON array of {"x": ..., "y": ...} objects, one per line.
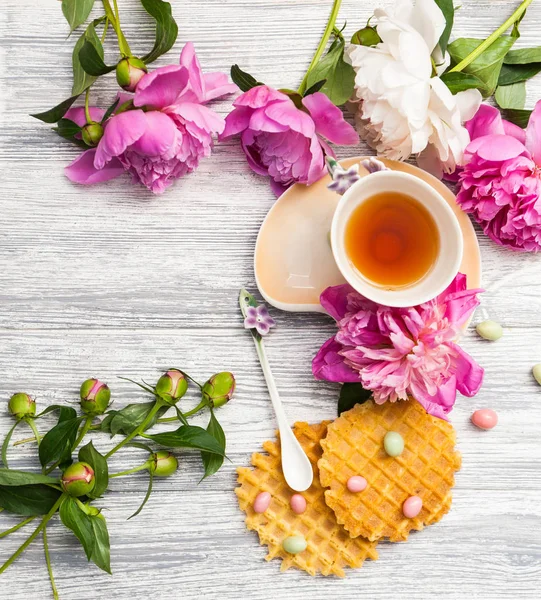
[
  {"x": 278, "y": 188},
  {"x": 426, "y": 17},
  {"x": 121, "y": 132},
  {"x": 189, "y": 60},
  {"x": 288, "y": 115},
  {"x": 203, "y": 117},
  {"x": 82, "y": 169},
  {"x": 259, "y": 96},
  {"x": 329, "y": 365},
  {"x": 514, "y": 131},
  {"x": 441, "y": 403},
  {"x": 335, "y": 300},
  {"x": 533, "y": 134},
  {"x": 329, "y": 120},
  {"x": 217, "y": 85},
  {"x": 77, "y": 115},
  {"x": 159, "y": 136},
  {"x": 161, "y": 87},
  {"x": 496, "y": 147},
  {"x": 469, "y": 375},
  {"x": 487, "y": 121},
  {"x": 236, "y": 121}
]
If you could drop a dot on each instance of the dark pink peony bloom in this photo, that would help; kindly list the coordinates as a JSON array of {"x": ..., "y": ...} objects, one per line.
[
  {"x": 284, "y": 142},
  {"x": 500, "y": 184},
  {"x": 167, "y": 139},
  {"x": 401, "y": 352}
]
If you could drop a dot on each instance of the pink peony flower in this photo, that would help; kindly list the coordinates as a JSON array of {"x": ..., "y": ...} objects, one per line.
[
  {"x": 401, "y": 352},
  {"x": 167, "y": 139},
  {"x": 282, "y": 141},
  {"x": 500, "y": 184}
]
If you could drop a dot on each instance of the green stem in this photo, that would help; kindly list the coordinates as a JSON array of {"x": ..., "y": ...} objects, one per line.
[
  {"x": 25, "y": 441},
  {"x": 32, "y": 536},
  {"x": 492, "y": 38},
  {"x": 122, "y": 42},
  {"x": 83, "y": 432},
  {"x": 33, "y": 427},
  {"x": 87, "y": 108},
  {"x": 322, "y": 44},
  {"x": 190, "y": 413},
  {"x": 130, "y": 471},
  {"x": 16, "y": 527},
  {"x": 49, "y": 566},
  {"x": 137, "y": 430},
  {"x": 105, "y": 28}
]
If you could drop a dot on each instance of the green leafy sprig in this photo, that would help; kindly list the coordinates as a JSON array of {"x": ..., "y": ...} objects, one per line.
[{"x": 69, "y": 488}]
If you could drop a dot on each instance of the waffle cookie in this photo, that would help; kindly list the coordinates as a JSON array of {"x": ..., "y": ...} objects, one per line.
[
  {"x": 329, "y": 548},
  {"x": 426, "y": 468}
]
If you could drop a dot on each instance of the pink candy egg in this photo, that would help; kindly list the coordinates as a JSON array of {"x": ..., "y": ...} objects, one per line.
[
  {"x": 412, "y": 507},
  {"x": 298, "y": 504},
  {"x": 485, "y": 418},
  {"x": 262, "y": 502},
  {"x": 356, "y": 484}
]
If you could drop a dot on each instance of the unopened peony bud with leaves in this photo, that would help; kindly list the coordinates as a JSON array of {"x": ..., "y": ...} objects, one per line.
[{"x": 73, "y": 475}]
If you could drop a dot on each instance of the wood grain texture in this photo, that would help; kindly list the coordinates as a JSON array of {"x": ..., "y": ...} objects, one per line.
[{"x": 109, "y": 281}]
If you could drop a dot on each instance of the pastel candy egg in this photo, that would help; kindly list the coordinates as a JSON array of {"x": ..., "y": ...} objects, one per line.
[
  {"x": 356, "y": 484},
  {"x": 294, "y": 544},
  {"x": 298, "y": 504},
  {"x": 393, "y": 443},
  {"x": 536, "y": 372},
  {"x": 489, "y": 330},
  {"x": 262, "y": 502},
  {"x": 485, "y": 418},
  {"x": 412, "y": 507}
]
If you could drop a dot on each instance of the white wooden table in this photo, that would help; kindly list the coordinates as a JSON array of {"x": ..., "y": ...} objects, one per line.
[{"x": 109, "y": 280}]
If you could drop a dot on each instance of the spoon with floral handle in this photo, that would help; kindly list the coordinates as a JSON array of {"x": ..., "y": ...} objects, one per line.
[{"x": 296, "y": 466}]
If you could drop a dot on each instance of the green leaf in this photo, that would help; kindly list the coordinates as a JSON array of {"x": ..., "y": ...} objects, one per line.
[
  {"x": 57, "y": 443},
  {"x": 110, "y": 111},
  {"x": 213, "y": 462},
  {"x": 339, "y": 75},
  {"x": 130, "y": 417},
  {"x": 91, "y": 59},
  {"x": 67, "y": 128},
  {"x": 350, "y": 395},
  {"x": 145, "y": 499},
  {"x": 458, "y": 81},
  {"x": 486, "y": 67},
  {"x": 448, "y": 10},
  {"x": 65, "y": 412},
  {"x": 17, "y": 478},
  {"x": 516, "y": 73},
  {"x": 101, "y": 554},
  {"x": 511, "y": 96},
  {"x": 188, "y": 436},
  {"x": 28, "y": 500},
  {"x": 523, "y": 56},
  {"x": 166, "y": 28},
  {"x": 518, "y": 117},
  {"x": 244, "y": 80},
  {"x": 57, "y": 112},
  {"x": 315, "y": 88},
  {"x": 5, "y": 444},
  {"x": 81, "y": 79},
  {"x": 76, "y": 11},
  {"x": 97, "y": 461}
]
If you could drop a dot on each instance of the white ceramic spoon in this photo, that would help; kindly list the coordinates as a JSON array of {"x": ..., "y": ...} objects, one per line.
[{"x": 296, "y": 466}]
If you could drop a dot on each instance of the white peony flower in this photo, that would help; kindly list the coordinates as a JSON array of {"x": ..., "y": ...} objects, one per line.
[{"x": 403, "y": 108}]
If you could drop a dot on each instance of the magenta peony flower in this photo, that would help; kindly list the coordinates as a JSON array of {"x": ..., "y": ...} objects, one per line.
[
  {"x": 500, "y": 184},
  {"x": 401, "y": 352},
  {"x": 282, "y": 141},
  {"x": 167, "y": 139}
]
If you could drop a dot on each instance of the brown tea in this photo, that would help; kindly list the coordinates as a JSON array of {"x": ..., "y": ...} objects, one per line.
[{"x": 392, "y": 240}]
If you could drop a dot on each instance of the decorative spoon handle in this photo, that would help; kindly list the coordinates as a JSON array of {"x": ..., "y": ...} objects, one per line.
[{"x": 296, "y": 466}]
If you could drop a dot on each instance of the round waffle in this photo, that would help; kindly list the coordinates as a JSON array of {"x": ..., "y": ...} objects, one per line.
[
  {"x": 426, "y": 468},
  {"x": 329, "y": 546}
]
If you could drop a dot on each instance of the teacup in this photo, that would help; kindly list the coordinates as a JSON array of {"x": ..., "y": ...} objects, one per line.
[{"x": 449, "y": 251}]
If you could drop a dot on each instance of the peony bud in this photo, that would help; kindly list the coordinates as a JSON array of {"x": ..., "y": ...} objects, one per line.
[
  {"x": 368, "y": 36},
  {"x": 219, "y": 389},
  {"x": 162, "y": 463},
  {"x": 92, "y": 133},
  {"x": 78, "y": 479},
  {"x": 171, "y": 386},
  {"x": 95, "y": 397},
  {"x": 21, "y": 406},
  {"x": 129, "y": 72}
]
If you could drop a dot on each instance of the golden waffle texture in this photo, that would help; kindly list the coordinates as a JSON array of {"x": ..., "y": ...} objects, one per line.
[
  {"x": 330, "y": 548},
  {"x": 426, "y": 468}
]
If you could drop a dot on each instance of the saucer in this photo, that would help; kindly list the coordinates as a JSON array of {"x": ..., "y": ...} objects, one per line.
[{"x": 293, "y": 260}]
